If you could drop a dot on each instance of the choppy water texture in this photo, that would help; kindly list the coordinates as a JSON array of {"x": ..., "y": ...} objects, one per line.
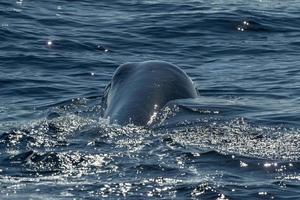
[{"x": 239, "y": 140}]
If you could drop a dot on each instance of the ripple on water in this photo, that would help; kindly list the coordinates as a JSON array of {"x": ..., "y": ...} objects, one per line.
[{"x": 239, "y": 140}]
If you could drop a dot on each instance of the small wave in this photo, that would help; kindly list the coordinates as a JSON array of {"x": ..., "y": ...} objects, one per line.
[{"x": 241, "y": 138}]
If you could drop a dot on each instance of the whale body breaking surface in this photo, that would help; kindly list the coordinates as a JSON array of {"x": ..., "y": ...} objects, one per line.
[{"x": 138, "y": 90}]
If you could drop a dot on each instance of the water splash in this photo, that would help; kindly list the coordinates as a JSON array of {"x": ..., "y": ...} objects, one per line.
[{"x": 243, "y": 138}]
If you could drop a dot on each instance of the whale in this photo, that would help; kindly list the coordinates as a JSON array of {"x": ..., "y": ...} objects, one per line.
[{"x": 139, "y": 90}]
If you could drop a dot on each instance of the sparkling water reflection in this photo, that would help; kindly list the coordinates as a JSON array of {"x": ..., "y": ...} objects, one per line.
[{"x": 238, "y": 140}]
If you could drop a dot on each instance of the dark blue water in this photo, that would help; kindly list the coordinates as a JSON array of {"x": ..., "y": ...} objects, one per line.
[{"x": 239, "y": 140}]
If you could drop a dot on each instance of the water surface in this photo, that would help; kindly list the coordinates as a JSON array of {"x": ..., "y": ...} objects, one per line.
[{"x": 239, "y": 140}]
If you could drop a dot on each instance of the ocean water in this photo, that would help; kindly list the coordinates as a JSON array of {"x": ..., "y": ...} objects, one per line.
[{"x": 239, "y": 140}]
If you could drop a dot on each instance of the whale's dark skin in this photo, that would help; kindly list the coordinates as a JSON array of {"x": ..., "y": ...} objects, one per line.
[{"x": 137, "y": 90}]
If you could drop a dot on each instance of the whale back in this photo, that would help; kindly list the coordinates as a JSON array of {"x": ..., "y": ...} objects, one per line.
[{"x": 138, "y": 90}]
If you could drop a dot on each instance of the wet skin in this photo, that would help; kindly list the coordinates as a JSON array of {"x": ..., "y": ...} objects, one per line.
[{"x": 138, "y": 90}]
